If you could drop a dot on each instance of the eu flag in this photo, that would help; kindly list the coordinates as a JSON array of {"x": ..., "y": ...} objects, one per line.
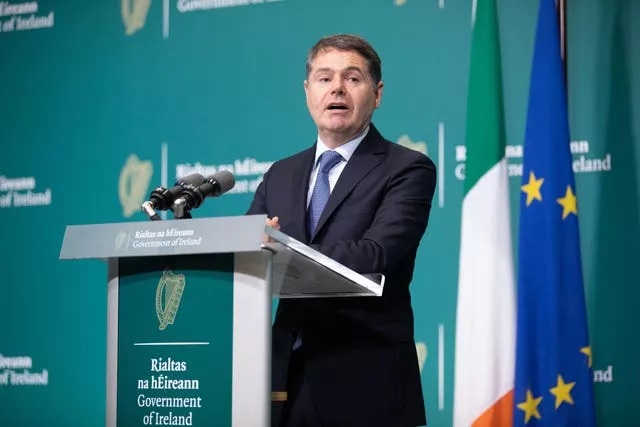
[{"x": 553, "y": 380}]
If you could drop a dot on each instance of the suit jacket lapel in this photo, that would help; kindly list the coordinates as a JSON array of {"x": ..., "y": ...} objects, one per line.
[
  {"x": 364, "y": 159},
  {"x": 300, "y": 187}
]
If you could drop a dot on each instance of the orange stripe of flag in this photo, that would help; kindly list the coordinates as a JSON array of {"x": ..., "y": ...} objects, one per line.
[{"x": 498, "y": 415}]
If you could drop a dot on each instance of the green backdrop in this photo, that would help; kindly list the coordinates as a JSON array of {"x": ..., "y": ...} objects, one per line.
[{"x": 102, "y": 101}]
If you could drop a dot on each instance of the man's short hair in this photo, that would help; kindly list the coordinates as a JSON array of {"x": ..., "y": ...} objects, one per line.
[{"x": 348, "y": 42}]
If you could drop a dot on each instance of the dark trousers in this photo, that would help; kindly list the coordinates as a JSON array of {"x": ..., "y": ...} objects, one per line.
[{"x": 298, "y": 411}]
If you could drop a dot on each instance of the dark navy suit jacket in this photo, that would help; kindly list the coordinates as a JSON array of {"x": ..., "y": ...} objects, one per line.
[{"x": 360, "y": 355}]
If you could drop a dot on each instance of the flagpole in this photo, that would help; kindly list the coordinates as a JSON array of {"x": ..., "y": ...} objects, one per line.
[{"x": 562, "y": 17}]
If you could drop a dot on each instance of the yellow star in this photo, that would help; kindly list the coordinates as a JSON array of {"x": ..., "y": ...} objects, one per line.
[
  {"x": 532, "y": 188},
  {"x": 569, "y": 203},
  {"x": 530, "y": 407},
  {"x": 562, "y": 392},
  {"x": 587, "y": 351}
]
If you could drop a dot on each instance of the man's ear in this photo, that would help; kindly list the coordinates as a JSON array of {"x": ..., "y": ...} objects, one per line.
[{"x": 378, "y": 92}]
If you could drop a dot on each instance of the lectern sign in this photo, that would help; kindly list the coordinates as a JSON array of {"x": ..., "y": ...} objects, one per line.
[{"x": 174, "y": 363}]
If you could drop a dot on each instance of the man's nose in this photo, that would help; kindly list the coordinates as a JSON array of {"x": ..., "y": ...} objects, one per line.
[{"x": 337, "y": 86}]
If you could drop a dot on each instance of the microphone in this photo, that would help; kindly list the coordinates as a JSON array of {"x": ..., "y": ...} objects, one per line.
[
  {"x": 162, "y": 198},
  {"x": 193, "y": 196}
]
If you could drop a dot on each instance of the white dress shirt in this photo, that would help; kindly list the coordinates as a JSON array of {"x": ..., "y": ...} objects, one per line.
[{"x": 345, "y": 150}]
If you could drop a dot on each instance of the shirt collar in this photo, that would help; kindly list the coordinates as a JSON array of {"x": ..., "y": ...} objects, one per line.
[{"x": 345, "y": 150}]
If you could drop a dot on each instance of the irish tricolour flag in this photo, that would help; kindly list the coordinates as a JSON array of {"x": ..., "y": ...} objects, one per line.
[{"x": 485, "y": 323}]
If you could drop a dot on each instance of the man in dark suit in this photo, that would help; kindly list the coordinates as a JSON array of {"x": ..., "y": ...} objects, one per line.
[{"x": 365, "y": 202}]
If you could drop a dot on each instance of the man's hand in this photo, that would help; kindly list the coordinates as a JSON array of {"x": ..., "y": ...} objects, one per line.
[{"x": 273, "y": 223}]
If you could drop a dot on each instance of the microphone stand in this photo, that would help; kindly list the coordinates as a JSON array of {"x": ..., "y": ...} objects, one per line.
[
  {"x": 181, "y": 210},
  {"x": 147, "y": 208}
]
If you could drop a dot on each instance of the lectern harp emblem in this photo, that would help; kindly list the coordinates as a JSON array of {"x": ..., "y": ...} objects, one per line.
[{"x": 168, "y": 295}]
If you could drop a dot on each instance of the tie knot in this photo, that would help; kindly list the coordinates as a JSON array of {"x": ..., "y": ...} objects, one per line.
[{"x": 328, "y": 160}]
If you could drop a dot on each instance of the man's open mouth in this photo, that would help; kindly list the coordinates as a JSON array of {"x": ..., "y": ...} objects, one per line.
[{"x": 337, "y": 106}]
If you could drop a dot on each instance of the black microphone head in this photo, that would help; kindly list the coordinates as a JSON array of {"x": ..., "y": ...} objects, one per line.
[
  {"x": 162, "y": 198},
  {"x": 193, "y": 179},
  {"x": 225, "y": 180}
]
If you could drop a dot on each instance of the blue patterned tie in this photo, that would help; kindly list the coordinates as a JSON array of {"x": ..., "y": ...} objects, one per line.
[{"x": 321, "y": 191}]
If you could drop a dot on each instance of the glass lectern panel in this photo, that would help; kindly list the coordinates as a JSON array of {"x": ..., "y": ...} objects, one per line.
[{"x": 301, "y": 272}]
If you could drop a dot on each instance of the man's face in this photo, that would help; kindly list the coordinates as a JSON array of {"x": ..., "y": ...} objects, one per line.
[{"x": 341, "y": 95}]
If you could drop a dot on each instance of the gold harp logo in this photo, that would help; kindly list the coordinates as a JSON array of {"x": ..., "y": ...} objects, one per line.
[
  {"x": 133, "y": 184},
  {"x": 418, "y": 146},
  {"x": 421, "y": 350},
  {"x": 168, "y": 295},
  {"x": 134, "y": 16}
]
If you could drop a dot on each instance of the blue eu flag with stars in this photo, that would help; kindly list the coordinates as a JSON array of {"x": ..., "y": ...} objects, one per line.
[{"x": 553, "y": 378}]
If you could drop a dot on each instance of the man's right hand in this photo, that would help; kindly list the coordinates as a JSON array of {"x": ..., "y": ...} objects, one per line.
[{"x": 273, "y": 223}]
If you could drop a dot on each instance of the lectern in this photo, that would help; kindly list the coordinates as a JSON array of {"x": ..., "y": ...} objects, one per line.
[{"x": 189, "y": 307}]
